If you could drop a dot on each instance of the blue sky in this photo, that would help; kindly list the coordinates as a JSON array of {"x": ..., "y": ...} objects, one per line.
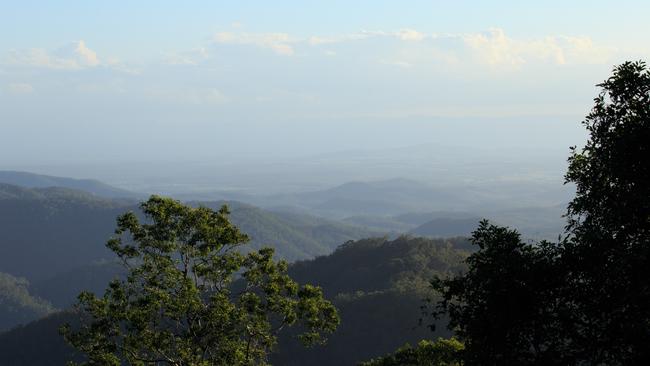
[
  {"x": 101, "y": 80},
  {"x": 120, "y": 25}
]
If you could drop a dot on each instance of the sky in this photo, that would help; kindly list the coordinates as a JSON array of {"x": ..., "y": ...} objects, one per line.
[{"x": 90, "y": 81}]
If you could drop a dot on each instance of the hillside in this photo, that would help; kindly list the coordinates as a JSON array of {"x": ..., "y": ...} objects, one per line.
[
  {"x": 95, "y": 187},
  {"x": 385, "y": 197},
  {"x": 446, "y": 227},
  {"x": 377, "y": 284},
  {"x": 17, "y": 305},
  {"x": 53, "y": 230},
  {"x": 49, "y": 230},
  {"x": 534, "y": 222},
  {"x": 293, "y": 236},
  {"x": 406, "y": 222},
  {"x": 62, "y": 288},
  {"x": 37, "y": 343}
]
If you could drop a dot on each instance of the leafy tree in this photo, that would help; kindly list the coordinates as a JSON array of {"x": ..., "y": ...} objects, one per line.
[
  {"x": 585, "y": 300},
  {"x": 182, "y": 304},
  {"x": 504, "y": 307},
  {"x": 443, "y": 352},
  {"x": 608, "y": 250}
]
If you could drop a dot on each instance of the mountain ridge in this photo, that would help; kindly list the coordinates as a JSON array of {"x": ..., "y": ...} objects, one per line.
[{"x": 93, "y": 186}]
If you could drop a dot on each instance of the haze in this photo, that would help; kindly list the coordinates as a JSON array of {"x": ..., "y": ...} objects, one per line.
[{"x": 213, "y": 96}]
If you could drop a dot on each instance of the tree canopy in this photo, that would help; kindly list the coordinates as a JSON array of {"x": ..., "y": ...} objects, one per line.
[
  {"x": 191, "y": 298},
  {"x": 586, "y": 299},
  {"x": 443, "y": 352},
  {"x": 504, "y": 307},
  {"x": 607, "y": 253}
]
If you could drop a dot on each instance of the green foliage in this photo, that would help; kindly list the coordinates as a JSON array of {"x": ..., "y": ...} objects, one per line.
[
  {"x": 503, "y": 307},
  {"x": 443, "y": 352},
  {"x": 17, "y": 305},
  {"x": 377, "y": 264},
  {"x": 608, "y": 250},
  {"x": 378, "y": 286},
  {"x": 611, "y": 172},
  {"x": 178, "y": 305},
  {"x": 585, "y": 300}
]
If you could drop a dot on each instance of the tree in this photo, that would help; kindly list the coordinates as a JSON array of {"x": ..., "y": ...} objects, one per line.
[
  {"x": 443, "y": 352},
  {"x": 586, "y": 299},
  {"x": 608, "y": 248},
  {"x": 504, "y": 307},
  {"x": 191, "y": 297}
]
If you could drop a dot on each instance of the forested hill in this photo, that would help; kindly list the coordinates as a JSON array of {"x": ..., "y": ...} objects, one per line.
[
  {"x": 293, "y": 238},
  {"x": 49, "y": 230},
  {"x": 17, "y": 305},
  {"x": 378, "y": 286},
  {"x": 46, "y": 231}
]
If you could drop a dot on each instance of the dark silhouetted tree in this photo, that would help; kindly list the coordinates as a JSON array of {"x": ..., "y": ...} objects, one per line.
[
  {"x": 608, "y": 248},
  {"x": 505, "y": 308},
  {"x": 585, "y": 300}
]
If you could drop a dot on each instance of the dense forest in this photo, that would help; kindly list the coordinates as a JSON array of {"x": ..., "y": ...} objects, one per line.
[{"x": 368, "y": 280}]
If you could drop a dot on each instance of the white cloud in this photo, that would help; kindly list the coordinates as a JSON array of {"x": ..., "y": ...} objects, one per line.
[
  {"x": 75, "y": 55},
  {"x": 496, "y": 48},
  {"x": 402, "y": 34},
  {"x": 283, "y": 43},
  {"x": 84, "y": 55},
  {"x": 493, "y": 47},
  {"x": 410, "y": 35},
  {"x": 280, "y": 43},
  {"x": 20, "y": 88},
  {"x": 584, "y": 50},
  {"x": 320, "y": 40},
  {"x": 192, "y": 57},
  {"x": 316, "y": 40}
]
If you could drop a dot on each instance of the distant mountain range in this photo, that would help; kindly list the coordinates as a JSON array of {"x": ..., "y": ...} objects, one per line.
[
  {"x": 401, "y": 205},
  {"x": 95, "y": 187},
  {"x": 432, "y": 224},
  {"x": 51, "y": 230},
  {"x": 386, "y": 197}
]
